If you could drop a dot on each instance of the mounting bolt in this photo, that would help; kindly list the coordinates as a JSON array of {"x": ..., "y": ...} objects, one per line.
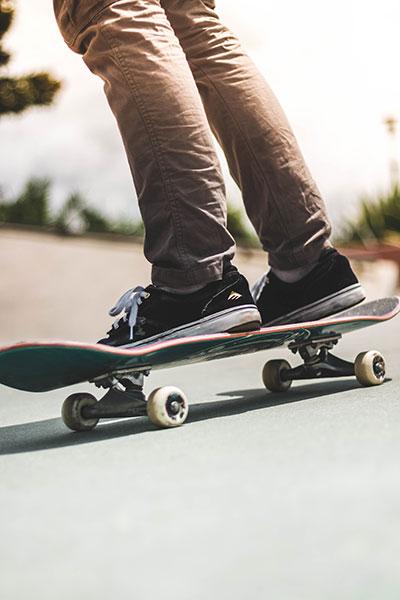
[{"x": 116, "y": 385}]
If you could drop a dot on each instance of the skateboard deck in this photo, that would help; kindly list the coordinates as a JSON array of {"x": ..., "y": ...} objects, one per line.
[{"x": 44, "y": 366}]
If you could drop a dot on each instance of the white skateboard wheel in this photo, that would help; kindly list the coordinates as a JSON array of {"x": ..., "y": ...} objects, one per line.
[
  {"x": 272, "y": 376},
  {"x": 370, "y": 368},
  {"x": 72, "y": 412},
  {"x": 167, "y": 407}
]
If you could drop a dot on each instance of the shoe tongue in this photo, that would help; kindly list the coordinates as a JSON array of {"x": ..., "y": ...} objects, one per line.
[{"x": 229, "y": 268}]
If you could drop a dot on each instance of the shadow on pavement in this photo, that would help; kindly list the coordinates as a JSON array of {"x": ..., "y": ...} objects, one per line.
[{"x": 52, "y": 433}]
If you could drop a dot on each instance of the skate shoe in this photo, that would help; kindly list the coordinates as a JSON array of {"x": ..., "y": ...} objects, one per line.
[
  {"x": 151, "y": 314},
  {"x": 329, "y": 288}
]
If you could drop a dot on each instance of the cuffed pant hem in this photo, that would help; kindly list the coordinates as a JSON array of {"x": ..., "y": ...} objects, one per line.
[{"x": 179, "y": 280}]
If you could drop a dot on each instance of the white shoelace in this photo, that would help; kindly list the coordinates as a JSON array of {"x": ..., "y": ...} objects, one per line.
[
  {"x": 258, "y": 286},
  {"x": 128, "y": 304}
]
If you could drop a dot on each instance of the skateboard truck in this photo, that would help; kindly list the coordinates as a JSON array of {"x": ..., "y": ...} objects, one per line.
[
  {"x": 165, "y": 407},
  {"x": 124, "y": 398},
  {"x": 121, "y": 380},
  {"x": 368, "y": 368},
  {"x": 317, "y": 360}
]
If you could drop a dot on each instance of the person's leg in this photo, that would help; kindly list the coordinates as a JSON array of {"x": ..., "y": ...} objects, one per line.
[
  {"x": 308, "y": 279},
  {"x": 131, "y": 45},
  {"x": 280, "y": 196}
]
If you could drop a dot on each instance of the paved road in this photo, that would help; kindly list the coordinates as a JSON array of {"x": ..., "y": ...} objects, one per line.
[{"x": 258, "y": 496}]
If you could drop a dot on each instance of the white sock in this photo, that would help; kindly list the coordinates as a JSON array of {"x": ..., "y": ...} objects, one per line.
[{"x": 294, "y": 275}]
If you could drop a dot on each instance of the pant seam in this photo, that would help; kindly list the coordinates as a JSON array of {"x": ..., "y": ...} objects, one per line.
[
  {"x": 248, "y": 146},
  {"x": 145, "y": 114},
  {"x": 89, "y": 22}
]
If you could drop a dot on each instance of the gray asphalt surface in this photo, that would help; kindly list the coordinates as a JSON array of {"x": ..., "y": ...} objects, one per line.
[{"x": 259, "y": 495}]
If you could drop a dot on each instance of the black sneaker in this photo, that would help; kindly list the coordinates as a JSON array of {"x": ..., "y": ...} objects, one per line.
[
  {"x": 151, "y": 314},
  {"x": 329, "y": 288}
]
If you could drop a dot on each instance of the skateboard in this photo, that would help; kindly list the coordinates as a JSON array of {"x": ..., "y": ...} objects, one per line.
[{"x": 44, "y": 366}]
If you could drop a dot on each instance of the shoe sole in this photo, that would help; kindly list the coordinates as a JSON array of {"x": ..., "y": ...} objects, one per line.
[
  {"x": 325, "y": 307},
  {"x": 233, "y": 320}
]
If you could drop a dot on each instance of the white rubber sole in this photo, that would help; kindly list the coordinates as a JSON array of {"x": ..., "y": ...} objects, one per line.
[
  {"x": 233, "y": 320},
  {"x": 325, "y": 307}
]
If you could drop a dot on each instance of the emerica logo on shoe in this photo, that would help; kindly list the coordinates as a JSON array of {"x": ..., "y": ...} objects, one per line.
[{"x": 234, "y": 296}]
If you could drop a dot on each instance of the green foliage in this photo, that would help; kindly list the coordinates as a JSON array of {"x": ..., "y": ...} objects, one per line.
[
  {"x": 129, "y": 227},
  {"x": 76, "y": 217},
  {"x": 19, "y": 93},
  {"x": 16, "y": 95},
  {"x": 6, "y": 16},
  {"x": 377, "y": 220},
  {"x": 4, "y": 57},
  {"x": 31, "y": 207},
  {"x": 239, "y": 229}
]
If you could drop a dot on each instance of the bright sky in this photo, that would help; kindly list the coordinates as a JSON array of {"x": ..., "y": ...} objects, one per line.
[{"x": 333, "y": 65}]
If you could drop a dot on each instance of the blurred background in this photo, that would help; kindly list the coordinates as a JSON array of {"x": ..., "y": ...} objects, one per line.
[
  {"x": 293, "y": 496},
  {"x": 70, "y": 231}
]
